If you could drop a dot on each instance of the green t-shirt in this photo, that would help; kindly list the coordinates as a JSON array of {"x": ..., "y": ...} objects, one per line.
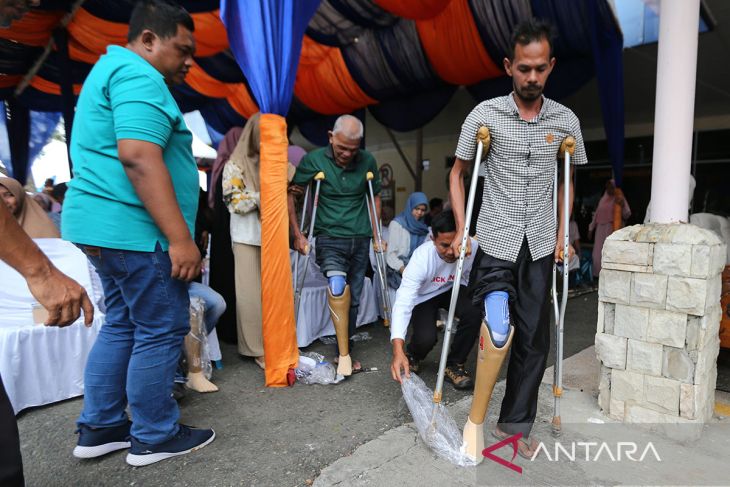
[
  {"x": 124, "y": 97},
  {"x": 341, "y": 211}
]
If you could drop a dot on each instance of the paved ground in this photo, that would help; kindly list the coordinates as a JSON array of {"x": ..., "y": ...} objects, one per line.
[{"x": 275, "y": 437}]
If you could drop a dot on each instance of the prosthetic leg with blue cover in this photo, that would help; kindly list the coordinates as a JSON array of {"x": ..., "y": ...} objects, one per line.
[
  {"x": 338, "y": 300},
  {"x": 495, "y": 338}
]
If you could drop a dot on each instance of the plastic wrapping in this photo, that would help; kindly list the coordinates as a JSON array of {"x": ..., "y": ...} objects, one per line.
[
  {"x": 434, "y": 424},
  {"x": 314, "y": 369},
  {"x": 361, "y": 336},
  {"x": 197, "y": 343}
]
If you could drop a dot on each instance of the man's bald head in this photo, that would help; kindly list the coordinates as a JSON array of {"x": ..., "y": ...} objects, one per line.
[
  {"x": 350, "y": 127},
  {"x": 345, "y": 138}
]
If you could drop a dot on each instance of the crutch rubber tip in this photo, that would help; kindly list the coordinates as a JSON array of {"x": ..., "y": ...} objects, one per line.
[
  {"x": 369, "y": 176},
  {"x": 556, "y": 427},
  {"x": 568, "y": 145},
  {"x": 319, "y": 176}
]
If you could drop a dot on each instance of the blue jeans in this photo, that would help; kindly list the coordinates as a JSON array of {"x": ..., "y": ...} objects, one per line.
[
  {"x": 351, "y": 257},
  {"x": 215, "y": 306},
  {"x": 135, "y": 355}
]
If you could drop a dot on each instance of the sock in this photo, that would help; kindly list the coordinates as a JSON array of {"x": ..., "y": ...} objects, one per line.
[
  {"x": 496, "y": 314},
  {"x": 337, "y": 285}
]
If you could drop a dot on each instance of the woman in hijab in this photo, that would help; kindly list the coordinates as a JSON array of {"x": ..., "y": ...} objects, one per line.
[
  {"x": 405, "y": 233},
  {"x": 29, "y": 214},
  {"x": 241, "y": 194},
  {"x": 602, "y": 223}
]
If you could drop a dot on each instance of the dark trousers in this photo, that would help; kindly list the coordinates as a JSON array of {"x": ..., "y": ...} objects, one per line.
[
  {"x": 527, "y": 282},
  {"x": 423, "y": 324},
  {"x": 11, "y": 465}
]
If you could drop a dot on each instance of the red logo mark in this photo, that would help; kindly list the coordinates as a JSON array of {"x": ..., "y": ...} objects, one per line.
[
  {"x": 481, "y": 343},
  {"x": 487, "y": 452}
]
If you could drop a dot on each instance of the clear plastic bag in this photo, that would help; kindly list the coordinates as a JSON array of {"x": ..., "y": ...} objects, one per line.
[
  {"x": 314, "y": 369},
  {"x": 197, "y": 340},
  {"x": 434, "y": 424}
]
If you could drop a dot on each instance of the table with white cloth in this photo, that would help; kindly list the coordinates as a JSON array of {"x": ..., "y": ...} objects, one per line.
[
  {"x": 314, "y": 316},
  {"x": 40, "y": 364}
]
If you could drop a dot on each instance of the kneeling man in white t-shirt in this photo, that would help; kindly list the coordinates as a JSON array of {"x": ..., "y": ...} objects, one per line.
[{"x": 426, "y": 287}]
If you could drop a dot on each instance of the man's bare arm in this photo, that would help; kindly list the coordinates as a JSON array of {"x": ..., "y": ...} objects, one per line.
[
  {"x": 457, "y": 197},
  {"x": 145, "y": 168},
  {"x": 60, "y": 295},
  {"x": 300, "y": 242}
]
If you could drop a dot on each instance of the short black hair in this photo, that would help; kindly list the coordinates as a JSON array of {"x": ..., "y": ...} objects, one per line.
[
  {"x": 444, "y": 222},
  {"x": 532, "y": 30},
  {"x": 59, "y": 191},
  {"x": 160, "y": 16},
  {"x": 435, "y": 202}
]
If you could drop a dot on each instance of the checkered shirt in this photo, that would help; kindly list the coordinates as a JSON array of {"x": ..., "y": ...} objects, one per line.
[{"x": 519, "y": 171}]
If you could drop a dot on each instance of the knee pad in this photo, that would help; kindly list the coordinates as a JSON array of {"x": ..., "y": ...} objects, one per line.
[
  {"x": 337, "y": 285},
  {"x": 496, "y": 314}
]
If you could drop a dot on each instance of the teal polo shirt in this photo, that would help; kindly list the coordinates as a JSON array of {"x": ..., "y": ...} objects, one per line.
[
  {"x": 341, "y": 211},
  {"x": 124, "y": 97}
]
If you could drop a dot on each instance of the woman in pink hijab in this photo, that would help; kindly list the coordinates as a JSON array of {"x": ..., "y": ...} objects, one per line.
[{"x": 602, "y": 223}]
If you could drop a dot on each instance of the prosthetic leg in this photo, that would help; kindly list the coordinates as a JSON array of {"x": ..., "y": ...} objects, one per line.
[
  {"x": 489, "y": 362},
  {"x": 196, "y": 378},
  {"x": 340, "y": 311}
]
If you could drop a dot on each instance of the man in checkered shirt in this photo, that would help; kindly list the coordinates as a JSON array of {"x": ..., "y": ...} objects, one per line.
[{"x": 516, "y": 231}]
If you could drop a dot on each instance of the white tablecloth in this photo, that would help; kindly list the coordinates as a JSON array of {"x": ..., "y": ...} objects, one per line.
[
  {"x": 39, "y": 364},
  {"x": 314, "y": 317}
]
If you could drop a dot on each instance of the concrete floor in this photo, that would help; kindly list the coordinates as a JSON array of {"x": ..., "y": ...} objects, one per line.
[{"x": 271, "y": 437}]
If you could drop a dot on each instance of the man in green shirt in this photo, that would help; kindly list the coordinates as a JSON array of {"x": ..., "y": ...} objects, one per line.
[
  {"x": 131, "y": 208},
  {"x": 343, "y": 227}
]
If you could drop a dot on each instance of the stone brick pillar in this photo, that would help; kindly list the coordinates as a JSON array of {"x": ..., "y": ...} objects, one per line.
[{"x": 658, "y": 323}]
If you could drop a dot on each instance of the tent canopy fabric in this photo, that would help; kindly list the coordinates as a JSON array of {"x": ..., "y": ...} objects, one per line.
[{"x": 379, "y": 54}]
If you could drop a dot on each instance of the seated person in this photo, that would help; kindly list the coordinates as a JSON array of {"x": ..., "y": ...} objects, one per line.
[
  {"x": 26, "y": 211},
  {"x": 405, "y": 233},
  {"x": 425, "y": 288}
]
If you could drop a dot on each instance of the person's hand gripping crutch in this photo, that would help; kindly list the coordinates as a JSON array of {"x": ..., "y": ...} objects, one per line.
[
  {"x": 564, "y": 194},
  {"x": 303, "y": 245}
]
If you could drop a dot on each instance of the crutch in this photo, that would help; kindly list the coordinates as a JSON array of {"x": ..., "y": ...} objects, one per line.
[
  {"x": 379, "y": 254},
  {"x": 566, "y": 151},
  {"x": 483, "y": 140},
  {"x": 310, "y": 236}
]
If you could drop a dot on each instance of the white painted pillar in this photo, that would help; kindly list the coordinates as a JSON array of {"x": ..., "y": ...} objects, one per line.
[{"x": 674, "y": 113}]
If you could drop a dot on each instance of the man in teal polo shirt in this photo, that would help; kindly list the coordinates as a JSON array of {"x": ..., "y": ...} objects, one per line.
[
  {"x": 131, "y": 208},
  {"x": 343, "y": 228}
]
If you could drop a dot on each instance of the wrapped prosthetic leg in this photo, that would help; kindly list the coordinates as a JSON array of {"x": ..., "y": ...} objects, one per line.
[
  {"x": 489, "y": 362},
  {"x": 340, "y": 312},
  {"x": 199, "y": 368}
]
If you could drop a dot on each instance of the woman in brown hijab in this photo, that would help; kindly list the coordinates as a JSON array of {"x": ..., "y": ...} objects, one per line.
[{"x": 29, "y": 214}]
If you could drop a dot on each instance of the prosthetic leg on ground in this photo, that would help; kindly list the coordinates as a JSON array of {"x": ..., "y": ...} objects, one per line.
[
  {"x": 339, "y": 306},
  {"x": 193, "y": 344},
  {"x": 489, "y": 362}
]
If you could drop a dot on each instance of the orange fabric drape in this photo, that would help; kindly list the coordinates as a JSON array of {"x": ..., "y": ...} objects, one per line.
[
  {"x": 414, "y": 9},
  {"x": 210, "y": 33},
  {"x": 277, "y": 295},
  {"x": 33, "y": 29},
  {"x": 42, "y": 84},
  {"x": 453, "y": 45},
  {"x": 235, "y": 93},
  {"x": 8, "y": 80},
  {"x": 79, "y": 52},
  {"x": 94, "y": 34},
  {"x": 324, "y": 83}
]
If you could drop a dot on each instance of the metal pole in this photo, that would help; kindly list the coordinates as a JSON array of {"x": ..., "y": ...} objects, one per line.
[{"x": 483, "y": 140}]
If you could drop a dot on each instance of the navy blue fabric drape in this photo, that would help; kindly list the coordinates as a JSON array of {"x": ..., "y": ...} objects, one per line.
[{"x": 266, "y": 40}]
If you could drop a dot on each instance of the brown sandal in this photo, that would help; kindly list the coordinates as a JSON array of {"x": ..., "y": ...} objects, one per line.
[{"x": 524, "y": 449}]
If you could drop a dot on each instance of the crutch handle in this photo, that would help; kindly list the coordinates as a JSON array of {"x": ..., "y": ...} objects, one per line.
[
  {"x": 369, "y": 176},
  {"x": 484, "y": 137},
  {"x": 306, "y": 249},
  {"x": 319, "y": 176},
  {"x": 568, "y": 145}
]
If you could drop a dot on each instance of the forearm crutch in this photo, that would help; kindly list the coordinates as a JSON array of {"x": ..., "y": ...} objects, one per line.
[
  {"x": 297, "y": 288},
  {"x": 483, "y": 140},
  {"x": 567, "y": 148},
  {"x": 299, "y": 284},
  {"x": 378, "y": 249}
]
